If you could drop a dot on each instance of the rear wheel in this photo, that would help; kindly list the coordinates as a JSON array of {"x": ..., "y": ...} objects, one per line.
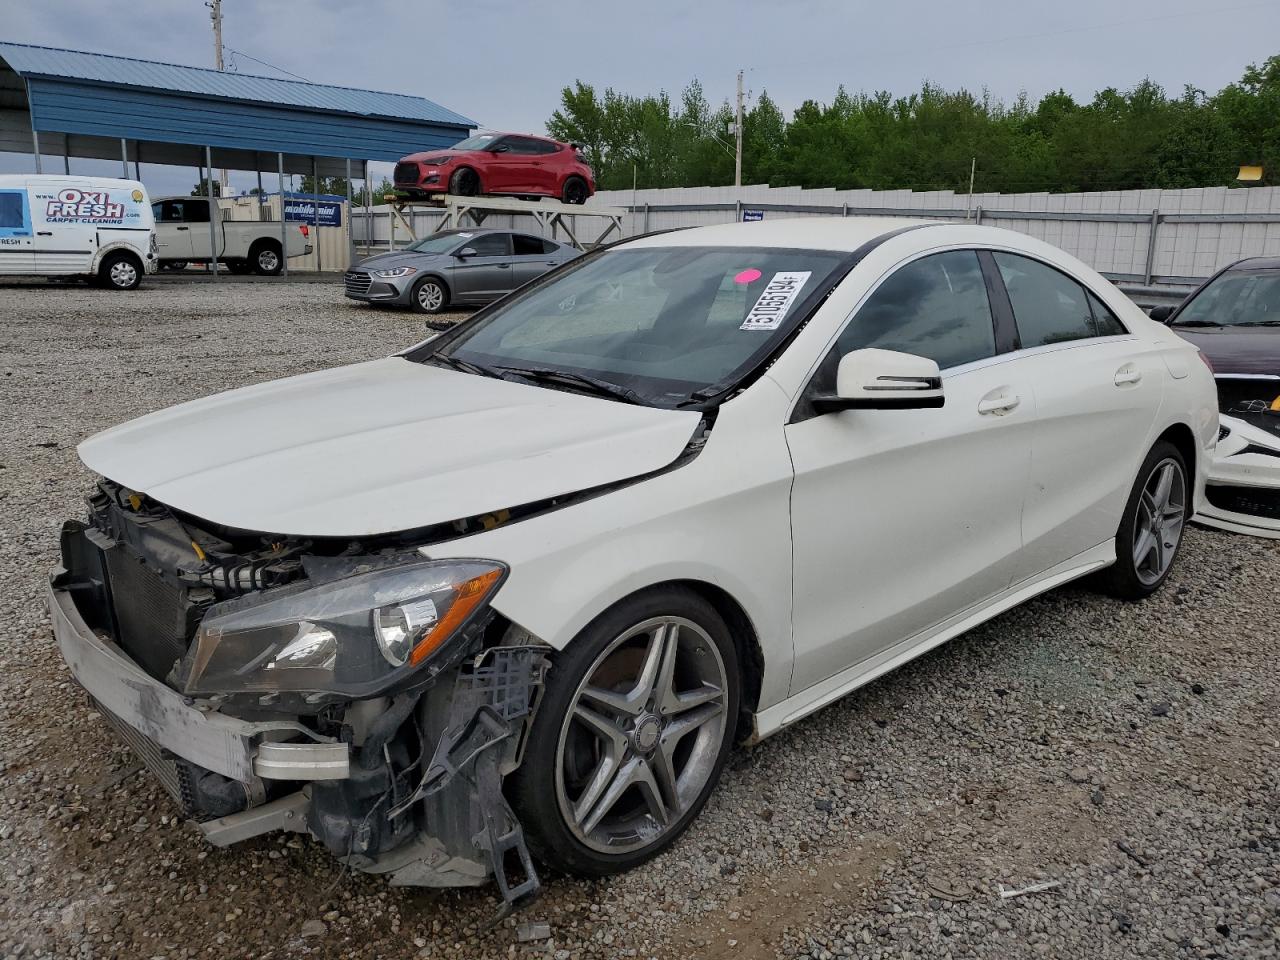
[
  {"x": 266, "y": 259},
  {"x": 1151, "y": 531},
  {"x": 465, "y": 182},
  {"x": 120, "y": 271},
  {"x": 575, "y": 190},
  {"x": 429, "y": 296},
  {"x": 636, "y": 722}
]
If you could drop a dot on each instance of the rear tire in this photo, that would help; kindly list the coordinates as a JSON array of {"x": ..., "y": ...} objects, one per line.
[
  {"x": 266, "y": 259},
  {"x": 575, "y": 191},
  {"x": 120, "y": 271},
  {"x": 465, "y": 182},
  {"x": 1150, "y": 534},
  {"x": 429, "y": 295},
  {"x": 617, "y": 766}
]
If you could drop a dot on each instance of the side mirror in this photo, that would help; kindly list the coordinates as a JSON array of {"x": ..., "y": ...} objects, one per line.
[
  {"x": 465, "y": 252},
  {"x": 1162, "y": 314},
  {"x": 873, "y": 379},
  {"x": 500, "y": 148}
]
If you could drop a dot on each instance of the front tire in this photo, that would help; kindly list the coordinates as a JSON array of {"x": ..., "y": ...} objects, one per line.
[
  {"x": 429, "y": 296},
  {"x": 120, "y": 271},
  {"x": 465, "y": 182},
  {"x": 636, "y": 723},
  {"x": 1151, "y": 530}
]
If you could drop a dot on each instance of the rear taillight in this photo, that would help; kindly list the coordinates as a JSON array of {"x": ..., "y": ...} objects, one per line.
[{"x": 306, "y": 231}]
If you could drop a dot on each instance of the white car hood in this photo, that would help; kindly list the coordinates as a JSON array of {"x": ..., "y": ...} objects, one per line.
[{"x": 381, "y": 447}]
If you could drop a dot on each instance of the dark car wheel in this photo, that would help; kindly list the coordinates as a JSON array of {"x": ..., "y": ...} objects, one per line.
[
  {"x": 575, "y": 190},
  {"x": 465, "y": 182},
  {"x": 429, "y": 296},
  {"x": 636, "y": 722},
  {"x": 1151, "y": 530}
]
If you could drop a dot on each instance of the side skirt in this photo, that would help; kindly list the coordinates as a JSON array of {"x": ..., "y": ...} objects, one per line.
[{"x": 817, "y": 696}]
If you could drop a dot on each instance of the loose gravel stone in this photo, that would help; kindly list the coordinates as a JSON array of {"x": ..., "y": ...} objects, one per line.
[{"x": 962, "y": 759}]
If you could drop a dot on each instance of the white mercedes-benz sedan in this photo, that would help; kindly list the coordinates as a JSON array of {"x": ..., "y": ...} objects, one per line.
[{"x": 513, "y": 595}]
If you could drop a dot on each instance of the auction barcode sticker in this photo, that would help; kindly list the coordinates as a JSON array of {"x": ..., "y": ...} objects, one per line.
[{"x": 772, "y": 307}]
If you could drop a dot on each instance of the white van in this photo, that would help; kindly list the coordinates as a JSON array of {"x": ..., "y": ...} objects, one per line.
[{"x": 92, "y": 227}]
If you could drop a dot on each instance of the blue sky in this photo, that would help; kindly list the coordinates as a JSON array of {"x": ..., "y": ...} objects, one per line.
[{"x": 504, "y": 63}]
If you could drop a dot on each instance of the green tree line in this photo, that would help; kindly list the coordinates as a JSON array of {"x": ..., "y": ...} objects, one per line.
[{"x": 1120, "y": 140}]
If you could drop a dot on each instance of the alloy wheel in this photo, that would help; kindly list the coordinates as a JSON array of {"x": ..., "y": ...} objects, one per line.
[
  {"x": 430, "y": 296},
  {"x": 642, "y": 735},
  {"x": 123, "y": 274},
  {"x": 1161, "y": 514}
]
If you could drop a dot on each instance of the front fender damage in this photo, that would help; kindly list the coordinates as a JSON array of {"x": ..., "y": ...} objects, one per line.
[{"x": 437, "y": 819}]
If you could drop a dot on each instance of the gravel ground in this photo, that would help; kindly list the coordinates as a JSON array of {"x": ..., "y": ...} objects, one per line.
[{"x": 1126, "y": 753}]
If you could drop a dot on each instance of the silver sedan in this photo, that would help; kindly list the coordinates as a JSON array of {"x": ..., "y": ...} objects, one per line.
[{"x": 455, "y": 267}]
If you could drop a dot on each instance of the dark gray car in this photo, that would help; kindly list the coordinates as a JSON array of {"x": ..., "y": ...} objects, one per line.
[{"x": 455, "y": 267}]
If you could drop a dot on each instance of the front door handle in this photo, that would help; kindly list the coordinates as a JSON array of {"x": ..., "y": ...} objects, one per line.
[
  {"x": 1128, "y": 374},
  {"x": 44, "y": 233},
  {"x": 181, "y": 228},
  {"x": 997, "y": 406}
]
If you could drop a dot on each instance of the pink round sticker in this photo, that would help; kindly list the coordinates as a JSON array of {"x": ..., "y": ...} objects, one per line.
[{"x": 747, "y": 276}]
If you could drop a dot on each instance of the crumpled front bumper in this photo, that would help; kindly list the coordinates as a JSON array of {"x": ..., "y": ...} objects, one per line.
[
  {"x": 237, "y": 749},
  {"x": 1243, "y": 490},
  {"x": 457, "y": 826}
]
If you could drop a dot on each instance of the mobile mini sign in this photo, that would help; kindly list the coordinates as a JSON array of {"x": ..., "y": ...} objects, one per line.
[{"x": 304, "y": 211}]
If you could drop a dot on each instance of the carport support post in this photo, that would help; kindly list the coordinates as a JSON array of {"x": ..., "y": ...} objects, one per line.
[
  {"x": 1151, "y": 246},
  {"x": 215, "y": 212},
  {"x": 351, "y": 238},
  {"x": 368, "y": 213},
  {"x": 284, "y": 240},
  {"x": 124, "y": 157},
  {"x": 315, "y": 208},
  {"x": 35, "y": 137}
]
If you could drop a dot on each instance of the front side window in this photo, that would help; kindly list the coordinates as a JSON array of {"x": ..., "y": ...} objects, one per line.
[
  {"x": 491, "y": 245},
  {"x": 1048, "y": 306},
  {"x": 13, "y": 211},
  {"x": 1235, "y": 300},
  {"x": 664, "y": 323},
  {"x": 934, "y": 307}
]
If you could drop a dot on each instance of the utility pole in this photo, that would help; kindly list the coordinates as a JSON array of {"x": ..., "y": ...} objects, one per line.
[
  {"x": 737, "y": 129},
  {"x": 215, "y": 7}
]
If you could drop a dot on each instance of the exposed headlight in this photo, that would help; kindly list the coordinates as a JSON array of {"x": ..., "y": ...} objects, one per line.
[
  {"x": 395, "y": 272},
  {"x": 355, "y": 637}
]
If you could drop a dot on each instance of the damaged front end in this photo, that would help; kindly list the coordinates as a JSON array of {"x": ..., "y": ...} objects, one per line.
[
  {"x": 1243, "y": 489},
  {"x": 359, "y": 692}
]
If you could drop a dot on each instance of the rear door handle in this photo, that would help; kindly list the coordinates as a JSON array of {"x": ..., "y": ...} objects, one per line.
[
  {"x": 1127, "y": 374},
  {"x": 181, "y": 228},
  {"x": 999, "y": 405}
]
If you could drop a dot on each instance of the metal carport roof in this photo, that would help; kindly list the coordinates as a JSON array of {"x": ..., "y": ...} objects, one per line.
[{"x": 85, "y": 104}]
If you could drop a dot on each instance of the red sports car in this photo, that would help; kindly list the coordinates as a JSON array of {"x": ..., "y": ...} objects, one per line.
[{"x": 499, "y": 163}]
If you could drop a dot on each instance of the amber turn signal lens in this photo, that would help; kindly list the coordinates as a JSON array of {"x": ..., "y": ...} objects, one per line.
[{"x": 466, "y": 597}]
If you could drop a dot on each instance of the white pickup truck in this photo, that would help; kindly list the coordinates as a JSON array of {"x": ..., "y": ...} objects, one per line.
[{"x": 183, "y": 236}]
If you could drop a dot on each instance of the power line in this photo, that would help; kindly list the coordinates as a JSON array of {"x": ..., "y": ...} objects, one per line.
[{"x": 240, "y": 53}]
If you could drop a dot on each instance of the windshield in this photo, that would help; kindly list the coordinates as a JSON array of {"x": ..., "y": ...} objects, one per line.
[
  {"x": 1235, "y": 299},
  {"x": 478, "y": 142},
  {"x": 662, "y": 323},
  {"x": 440, "y": 242}
]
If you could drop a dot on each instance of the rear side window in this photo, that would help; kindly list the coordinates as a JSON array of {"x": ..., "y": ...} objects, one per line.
[
  {"x": 934, "y": 307},
  {"x": 1105, "y": 323},
  {"x": 526, "y": 246},
  {"x": 1049, "y": 306}
]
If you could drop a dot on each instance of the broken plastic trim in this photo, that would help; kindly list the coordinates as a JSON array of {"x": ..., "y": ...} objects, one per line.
[{"x": 492, "y": 706}]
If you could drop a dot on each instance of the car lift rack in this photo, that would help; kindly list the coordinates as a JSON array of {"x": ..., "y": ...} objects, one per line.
[{"x": 551, "y": 215}]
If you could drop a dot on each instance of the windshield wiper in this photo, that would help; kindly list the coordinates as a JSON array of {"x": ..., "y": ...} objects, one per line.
[
  {"x": 603, "y": 388},
  {"x": 466, "y": 366},
  {"x": 1197, "y": 323}
]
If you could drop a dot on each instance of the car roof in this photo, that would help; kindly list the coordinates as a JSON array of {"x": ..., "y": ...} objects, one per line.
[
  {"x": 811, "y": 233},
  {"x": 1256, "y": 263}
]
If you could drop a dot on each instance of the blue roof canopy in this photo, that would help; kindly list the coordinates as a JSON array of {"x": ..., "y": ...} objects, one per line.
[{"x": 99, "y": 96}]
